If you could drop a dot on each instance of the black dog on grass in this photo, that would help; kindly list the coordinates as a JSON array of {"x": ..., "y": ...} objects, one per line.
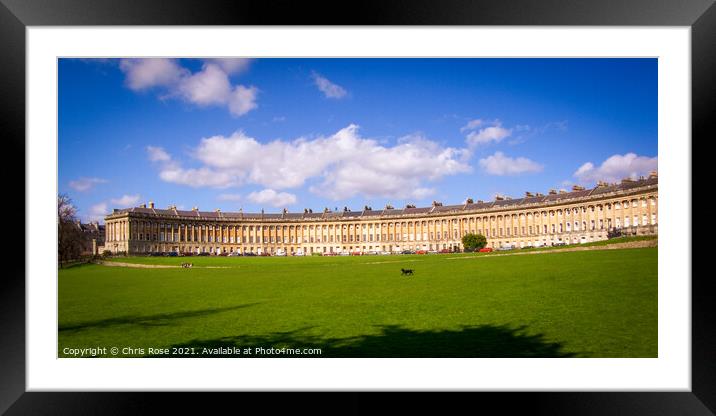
[{"x": 406, "y": 272}]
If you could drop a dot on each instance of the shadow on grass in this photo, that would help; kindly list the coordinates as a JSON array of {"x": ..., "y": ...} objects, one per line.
[
  {"x": 394, "y": 342},
  {"x": 161, "y": 319}
]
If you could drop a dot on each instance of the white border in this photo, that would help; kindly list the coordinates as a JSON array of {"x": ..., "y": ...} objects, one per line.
[{"x": 671, "y": 371}]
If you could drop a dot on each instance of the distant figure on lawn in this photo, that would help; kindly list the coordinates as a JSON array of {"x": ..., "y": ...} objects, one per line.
[
  {"x": 406, "y": 272},
  {"x": 187, "y": 265}
]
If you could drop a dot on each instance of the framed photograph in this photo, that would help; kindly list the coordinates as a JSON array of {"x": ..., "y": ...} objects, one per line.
[{"x": 446, "y": 198}]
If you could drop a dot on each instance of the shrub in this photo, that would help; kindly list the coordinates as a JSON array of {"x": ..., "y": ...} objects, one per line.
[
  {"x": 474, "y": 241},
  {"x": 614, "y": 233}
]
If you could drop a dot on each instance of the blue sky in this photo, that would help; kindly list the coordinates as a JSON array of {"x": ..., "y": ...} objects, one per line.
[{"x": 315, "y": 133}]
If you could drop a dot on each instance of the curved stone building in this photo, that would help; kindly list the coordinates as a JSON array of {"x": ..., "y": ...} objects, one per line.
[{"x": 579, "y": 216}]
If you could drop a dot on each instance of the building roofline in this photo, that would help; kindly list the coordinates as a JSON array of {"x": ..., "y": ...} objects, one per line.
[{"x": 601, "y": 191}]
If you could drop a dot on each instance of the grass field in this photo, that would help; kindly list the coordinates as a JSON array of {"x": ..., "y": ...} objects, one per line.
[{"x": 600, "y": 303}]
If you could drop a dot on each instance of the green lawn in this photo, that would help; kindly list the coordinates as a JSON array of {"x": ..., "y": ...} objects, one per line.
[{"x": 571, "y": 304}]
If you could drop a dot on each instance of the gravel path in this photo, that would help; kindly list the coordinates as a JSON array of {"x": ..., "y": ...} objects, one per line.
[{"x": 156, "y": 266}]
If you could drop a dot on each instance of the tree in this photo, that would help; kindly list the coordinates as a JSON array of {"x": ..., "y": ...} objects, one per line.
[
  {"x": 473, "y": 242},
  {"x": 69, "y": 236}
]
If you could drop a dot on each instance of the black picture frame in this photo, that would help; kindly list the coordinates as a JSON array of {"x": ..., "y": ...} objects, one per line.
[{"x": 16, "y": 15}]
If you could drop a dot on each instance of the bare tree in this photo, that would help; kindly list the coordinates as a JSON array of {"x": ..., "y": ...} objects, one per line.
[{"x": 69, "y": 234}]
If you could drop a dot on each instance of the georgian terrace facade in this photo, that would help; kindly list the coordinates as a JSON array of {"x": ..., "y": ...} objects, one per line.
[{"x": 582, "y": 215}]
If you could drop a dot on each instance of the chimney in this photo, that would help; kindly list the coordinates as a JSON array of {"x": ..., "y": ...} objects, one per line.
[
  {"x": 577, "y": 188},
  {"x": 602, "y": 184},
  {"x": 627, "y": 180},
  {"x": 151, "y": 204},
  {"x": 539, "y": 194},
  {"x": 195, "y": 209},
  {"x": 143, "y": 206},
  {"x": 499, "y": 197},
  {"x": 553, "y": 192},
  {"x": 562, "y": 191},
  {"x": 653, "y": 174},
  {"x": 528, "y": 194}
]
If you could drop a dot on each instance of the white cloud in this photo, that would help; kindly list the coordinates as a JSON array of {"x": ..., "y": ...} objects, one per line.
[
  {"x": 616, "y": 168},
  {"x": 210, "y": 86},
  {"x": 85, "y": 184},
  {"x": 499, "y": 164},
  {"x": 471, "y": 125},
  {"x": 242, "y": 100},
  {"x": 125, "y": 201},
  {"x": 483, "y": 132},
  {"x": 97, "y": 212},
  {"x": 329, "y": 89},
  {"x": 522, "y": 133},
  {"x": 157, "y": 154},
  {"x": 273, "y": 198},
  {"x": 145, "y": 73},
  {"x": 232, "y": 66},
  {"x": 343, "y": 164},
  {"x": 229, "y": 197},
  {"x": 494, "y": 133},
  {"x": 196, "y": 178}
]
